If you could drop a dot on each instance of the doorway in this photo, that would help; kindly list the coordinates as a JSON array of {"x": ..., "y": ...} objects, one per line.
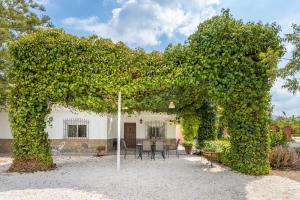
[{"x": 130, "y": 134}]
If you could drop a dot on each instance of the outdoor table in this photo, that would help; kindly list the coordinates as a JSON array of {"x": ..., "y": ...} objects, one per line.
[{"x": 139, "y": 147}]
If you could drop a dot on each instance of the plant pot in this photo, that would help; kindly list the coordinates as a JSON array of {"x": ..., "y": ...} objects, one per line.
[
  {"x": 211, "y": 155},
  {"x": 188, "y": 149},
  {"x": 100, "y": 151}
]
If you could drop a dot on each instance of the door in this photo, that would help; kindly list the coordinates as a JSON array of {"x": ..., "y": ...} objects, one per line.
[{"x": 130, "y": 134}]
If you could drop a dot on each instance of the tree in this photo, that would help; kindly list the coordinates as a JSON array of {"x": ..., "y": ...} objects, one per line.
[
  {"x": 290, "y": 71},
  {"x": 16, "y": 17}
]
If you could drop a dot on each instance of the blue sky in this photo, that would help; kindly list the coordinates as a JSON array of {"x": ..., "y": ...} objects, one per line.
[{"x": 153, "y": 24}]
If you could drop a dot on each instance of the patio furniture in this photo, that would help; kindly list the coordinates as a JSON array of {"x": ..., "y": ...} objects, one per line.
[
  {"x": 58, "y": 149},
  {"x": 160, "y": 147},
  {"x": 169, "y": 148},
  {"x": 147, "y": 148},
  {"x": 139, "y": 147}
]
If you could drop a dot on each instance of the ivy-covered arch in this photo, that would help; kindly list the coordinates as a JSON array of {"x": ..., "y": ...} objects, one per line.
[{"x": 225, "y": 62}]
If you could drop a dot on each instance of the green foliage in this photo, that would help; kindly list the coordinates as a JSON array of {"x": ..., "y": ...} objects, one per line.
[
  {"x": 207, "y": 127},
  {"x": 222, "y": 147},
  {"x": 283, "y": 120},
  {"x": 290, "y": 71},
  {"x": 218, "y": 146},
  {"x": 221, "y": 122},
  {"x": 278, "y": 138},
  {"x": 189, "y": 125},
  {"x": 298, "y": 150},
  {"x": 225, "y": 63},
  {"x": 51, "y": 67},
  {"x": 238, "y": 63},
  {"x": 17, "y": 17}
]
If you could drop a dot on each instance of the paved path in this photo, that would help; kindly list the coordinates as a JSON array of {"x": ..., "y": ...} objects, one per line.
[{"x": 185, "y": 178}]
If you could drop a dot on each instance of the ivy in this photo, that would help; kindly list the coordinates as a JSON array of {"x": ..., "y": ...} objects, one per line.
[
  {"x": 224, "y": 63},
  {"x": 207, "y": 128},
  {"x": 238, "y": 61}
]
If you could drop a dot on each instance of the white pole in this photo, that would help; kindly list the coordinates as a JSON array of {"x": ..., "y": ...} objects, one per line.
[{"x": 119, "y": 131}]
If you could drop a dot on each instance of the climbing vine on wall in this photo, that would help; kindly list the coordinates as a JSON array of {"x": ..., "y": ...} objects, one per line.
[
  {"x": 238, "y": 61},
  {"x": 225, "y": 62}
]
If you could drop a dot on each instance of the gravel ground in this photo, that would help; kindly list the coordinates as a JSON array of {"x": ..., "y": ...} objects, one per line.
[{"x": 188, "y": 177}]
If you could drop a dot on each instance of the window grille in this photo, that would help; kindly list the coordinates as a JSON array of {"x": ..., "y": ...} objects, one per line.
[{"x": 76, "y": 128}]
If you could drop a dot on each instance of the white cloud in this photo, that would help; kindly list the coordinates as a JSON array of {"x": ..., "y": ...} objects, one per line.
[
  {"x": 143, "y": 22},
  {"x": 285, "y": 101}
]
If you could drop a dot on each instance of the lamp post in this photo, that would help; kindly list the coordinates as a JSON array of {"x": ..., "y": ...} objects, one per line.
[{"x": 119, "y": 131}]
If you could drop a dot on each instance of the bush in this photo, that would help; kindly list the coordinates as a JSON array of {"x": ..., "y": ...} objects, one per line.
[
  {"x": 298, "y": 150},
  {"x": 189, "y": 125},
  {"x": 278, "y": 138},
  {"x": 222, "y": 147},
  {"x": 282, "y": 157},
  {"x": 217, "y": 146},
  {"x": 188, "y": 143}
]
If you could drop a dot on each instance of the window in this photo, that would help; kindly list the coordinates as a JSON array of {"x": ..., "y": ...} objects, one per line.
[
  {"x": 155, "y": 129},
  {"x": 76, "y": 128}
]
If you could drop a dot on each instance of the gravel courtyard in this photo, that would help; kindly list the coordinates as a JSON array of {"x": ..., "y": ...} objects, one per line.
[{"x": 188, "y": 177}]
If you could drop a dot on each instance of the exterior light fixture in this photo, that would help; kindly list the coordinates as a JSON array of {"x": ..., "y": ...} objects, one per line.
[
  {"x": 141, "y": 121},
  {"x": 171, "y": 105}
]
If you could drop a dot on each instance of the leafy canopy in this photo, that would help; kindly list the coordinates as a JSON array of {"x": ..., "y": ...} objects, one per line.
[
  {"x": 16, "y": 17},
  {"x": 225, "y": 63}
]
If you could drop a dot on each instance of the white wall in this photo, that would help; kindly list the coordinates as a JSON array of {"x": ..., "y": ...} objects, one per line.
[
  {"x": 148, "y": 116},
  {"x": 100, "y": 127},
  {"x": 97, "y": 123},
  {"x": 5, "y": 131}
]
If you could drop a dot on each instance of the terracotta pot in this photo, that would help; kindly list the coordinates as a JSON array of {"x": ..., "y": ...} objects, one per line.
[{"x": 188, "y": 149}]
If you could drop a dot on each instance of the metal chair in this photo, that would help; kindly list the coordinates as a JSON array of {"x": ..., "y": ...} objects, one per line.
[
  {"x": 147, "y": 147},
  {"x": 174, "y": 149},
  {"x": 160, "y": 148}
]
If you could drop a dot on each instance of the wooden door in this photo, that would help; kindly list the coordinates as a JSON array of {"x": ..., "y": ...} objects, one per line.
[{"x": 130, "y": 134}]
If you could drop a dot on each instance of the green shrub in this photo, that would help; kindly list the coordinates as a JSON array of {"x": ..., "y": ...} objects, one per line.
[
  {"x": 222, "y": 147},
  {"x": 225, "y": 156},
  {"x": 278, "y": 138},
  {"x": 188, "y": 143},
  {"x": 218, "y": 146},
  {"x": 298, "y": 150},
  {"x": 189, "y": 125}
]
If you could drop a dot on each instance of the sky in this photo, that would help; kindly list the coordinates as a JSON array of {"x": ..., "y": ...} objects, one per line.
[{"x": 153, "y": 24}]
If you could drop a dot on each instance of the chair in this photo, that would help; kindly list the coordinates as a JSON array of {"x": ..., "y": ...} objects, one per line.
[
  {"x": 174, "y": 149},
  {"x": 160, "y": 148},
  {"x": 147, "y": 147},
  {"x": 58, "y": 149},
  {"x": 125, "y": 148}
]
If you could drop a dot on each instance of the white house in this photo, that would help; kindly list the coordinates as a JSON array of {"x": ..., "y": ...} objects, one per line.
[{"x": 82, "y": 132}]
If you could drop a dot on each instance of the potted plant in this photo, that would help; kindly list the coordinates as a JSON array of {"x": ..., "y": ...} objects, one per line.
[
  {"x": 100, "y": 150},
  {"x": 188, "y": 146}
]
